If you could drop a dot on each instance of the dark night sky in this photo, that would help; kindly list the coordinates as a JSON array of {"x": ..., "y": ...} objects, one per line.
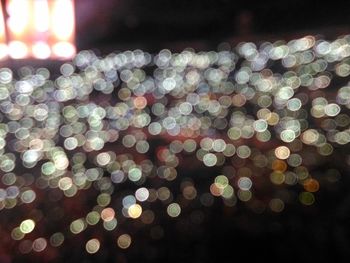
[{"x": 155, "y": 24}]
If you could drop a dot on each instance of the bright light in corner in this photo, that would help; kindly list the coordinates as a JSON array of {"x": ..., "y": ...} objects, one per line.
[
  {"x": 18, "y": 20},
  {"x": 41, "y": 29}
]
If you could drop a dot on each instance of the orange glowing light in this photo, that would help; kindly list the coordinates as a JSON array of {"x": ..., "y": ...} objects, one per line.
[
  {"x": 311, "y": 185},
  {"x": 279, "y": 165}
]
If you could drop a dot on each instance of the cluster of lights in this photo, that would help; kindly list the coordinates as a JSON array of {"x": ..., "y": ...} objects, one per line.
[
  {"x": 122, "y": 129},
  {"x": 35, "y": 28}
]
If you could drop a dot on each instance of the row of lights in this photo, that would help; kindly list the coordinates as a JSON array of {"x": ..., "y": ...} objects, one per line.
[{"x": 39, "y": 29}]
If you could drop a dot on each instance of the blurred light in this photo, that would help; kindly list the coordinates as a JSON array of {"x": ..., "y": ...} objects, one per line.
[
  {"x": 41, "y": 50},
  {"x": 19, "y": 17},
  {"x": 63, "y": 50},
  {"x": 62, "y": 19},
  {"x": 41, "y": 16},
  {"x": 18, "y": 50},
  {"x": 38, "y": 28}
]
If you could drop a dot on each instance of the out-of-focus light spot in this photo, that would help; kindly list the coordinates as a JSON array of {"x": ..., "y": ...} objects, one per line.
[
  {"x": 245, "y": 183},
  {"x": 63, "y": 29},
  {"x": 282, "y": 152},
  {"x": 27, "y": 226},
  {"x": 107, "y": 214},
  {"x": 332, "y": 109},
  {"x": 307, "y": 198},
  {"x": 210, "y": 159},
  {"x": 63, "y": 50},
  {"x": 135, "y": 174},
  {"x": 57, "y": 239},
  {"x": 92, "y": 246},
  {"x": 93, "y": 218},
  {"x": 142, "y": 194},
  {"x": 65, "y": 183},
  {"x": 41, "y": 50},
  {"x": 41, "y": 16},
  {"x": 311, "y": 185},
  {"x": 77, "y": 226},
  {"x": 18, "y": 49},
  {"x": 135, "y": 211},
  {"x": 18, "y": 16},
  {"x": 276, "y": 205},
  {"x": 124, "y": 241},
  {"x": 39, "y": 244},
  {"x": 174, "y": 210}
]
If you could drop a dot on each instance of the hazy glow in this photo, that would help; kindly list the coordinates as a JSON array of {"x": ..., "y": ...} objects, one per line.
[
  {"x": 18, "y": 49},
  {"x": 3, "y": 50},
  {"x": 63, "y": 29},
  {"x": 2, "y": 26},
  {"x": 38, "y": 29},
  {"x": 63, "y": 49},
  {"x": 41, "y": 50},
  {"x": 41, "y": 16},
  {"x": 19, "y": 16}
]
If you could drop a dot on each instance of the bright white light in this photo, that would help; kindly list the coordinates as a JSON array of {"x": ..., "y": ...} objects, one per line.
[
  {"x": 38, "y": 28},
  {"x": 63, "y": 19},
  {"x": 41, "y": 16},
  {"x": 18, "y": 49},
  {"x": 18, "y": 16},
  {"x": 64, "y": 49},
  {"x": 41, "y": 50},
  {"x": 3, "y": 51}
]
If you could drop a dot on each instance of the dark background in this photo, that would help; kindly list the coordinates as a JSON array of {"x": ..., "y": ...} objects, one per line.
[{"x": 202, "y": 24}]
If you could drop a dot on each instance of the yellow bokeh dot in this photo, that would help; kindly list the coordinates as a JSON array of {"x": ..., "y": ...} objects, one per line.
[{"x": 135, "y": 211}]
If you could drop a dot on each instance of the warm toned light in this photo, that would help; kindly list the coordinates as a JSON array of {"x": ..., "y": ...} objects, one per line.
[
  {"x": 41, "y": 50},
  {"x": 41, "y": 16},
  {"x": 19, "y": 17},
  {"x": 62, "y": 20},
  {"x": 40, "y": 29},
  {"x": 18, "y": 49},
  {"x": 63, "y": 49},
  {"x": 62, "y": 30}
]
